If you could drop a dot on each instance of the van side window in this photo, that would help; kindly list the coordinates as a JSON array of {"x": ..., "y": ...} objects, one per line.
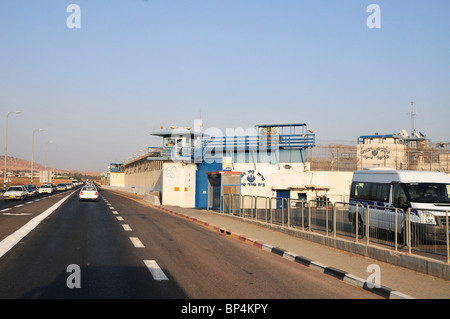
[
  {"x": 380, "y": 192},
  {"x": 360, "y": 190},
  {"x": 377, "y": 192}
]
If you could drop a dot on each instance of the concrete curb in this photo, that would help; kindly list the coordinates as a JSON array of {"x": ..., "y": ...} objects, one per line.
[{"x": 337, "y": 273}]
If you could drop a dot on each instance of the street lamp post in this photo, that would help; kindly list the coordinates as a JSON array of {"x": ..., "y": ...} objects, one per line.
[
  {"x": 32, "y": 154},
  {"x": 6, "y": 146},
  {"x": 45, "y": 162}
]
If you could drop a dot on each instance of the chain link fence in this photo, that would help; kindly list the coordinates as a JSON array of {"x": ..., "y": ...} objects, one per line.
[{"x": 341, "y": 157}]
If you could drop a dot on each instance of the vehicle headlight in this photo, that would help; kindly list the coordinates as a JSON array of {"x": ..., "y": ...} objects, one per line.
[{"x": 428, "y": 218}]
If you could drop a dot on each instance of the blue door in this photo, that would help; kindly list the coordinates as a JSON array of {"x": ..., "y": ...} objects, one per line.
[{"x": 282, "y": 194}]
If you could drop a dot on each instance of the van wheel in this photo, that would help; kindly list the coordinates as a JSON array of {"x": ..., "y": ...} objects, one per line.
[{"x": 361, "y": 227}]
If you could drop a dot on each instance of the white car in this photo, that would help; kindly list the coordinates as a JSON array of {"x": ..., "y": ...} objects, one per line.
[
  {"x": 88, "y": 193},
  {"x": 15, "y": 192},
  {"x": 61, "y": 187},
  {"x": 46, "y": 188},
  {"x": 69, "y": 185},
  {"x": 32, "y": 190}
]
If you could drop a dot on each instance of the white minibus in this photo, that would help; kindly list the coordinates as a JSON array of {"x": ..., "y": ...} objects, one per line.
[{"x": 390, "y": 193}]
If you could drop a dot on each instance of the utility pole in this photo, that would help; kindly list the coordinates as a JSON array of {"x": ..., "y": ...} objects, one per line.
[{"x": 6, "y": 147}]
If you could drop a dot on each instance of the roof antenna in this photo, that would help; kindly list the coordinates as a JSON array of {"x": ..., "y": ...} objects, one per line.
[{"x": 412, "y": 118}]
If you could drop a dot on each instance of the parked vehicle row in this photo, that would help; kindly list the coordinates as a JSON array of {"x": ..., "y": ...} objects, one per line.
[
  {"x": 22, "y": 192},
  {"x": 64, "y": 186}
]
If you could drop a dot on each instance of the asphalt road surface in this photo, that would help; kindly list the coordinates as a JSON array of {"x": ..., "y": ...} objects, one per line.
[{"x": 118, "y": 248}]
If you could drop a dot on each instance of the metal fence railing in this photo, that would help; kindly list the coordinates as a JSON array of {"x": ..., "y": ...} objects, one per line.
[{"x": 411, "y": 231}]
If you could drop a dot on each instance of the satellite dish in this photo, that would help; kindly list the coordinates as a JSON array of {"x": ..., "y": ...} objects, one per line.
[{"x": 403, "y": 133}]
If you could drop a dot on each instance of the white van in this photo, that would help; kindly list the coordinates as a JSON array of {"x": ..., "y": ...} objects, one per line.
[{"x": 426, "y": 193}]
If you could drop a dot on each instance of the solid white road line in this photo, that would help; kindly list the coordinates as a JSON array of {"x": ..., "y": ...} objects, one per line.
[
  {"x": 136, "y": 242},
  {"x": 155, "y": 270},
  {"x": 10, "y": 241}
]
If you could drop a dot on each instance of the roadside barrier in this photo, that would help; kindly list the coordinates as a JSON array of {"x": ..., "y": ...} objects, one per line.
[{"x": 390, "y": 227}]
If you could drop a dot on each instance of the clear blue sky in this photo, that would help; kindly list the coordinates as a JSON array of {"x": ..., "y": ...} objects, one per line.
[{"x": 134, "y": 65}]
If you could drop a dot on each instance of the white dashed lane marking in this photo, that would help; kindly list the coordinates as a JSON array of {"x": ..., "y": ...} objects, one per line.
[
  {"x": 152, "y": 265},
  {"x": 155, "y": 270},
  {"x": 126, "y": 227},
  {"x": 136, "y": 242}
]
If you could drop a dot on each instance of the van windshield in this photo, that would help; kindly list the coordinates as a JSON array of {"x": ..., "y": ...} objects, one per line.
[{"x": 429, "y": 192}]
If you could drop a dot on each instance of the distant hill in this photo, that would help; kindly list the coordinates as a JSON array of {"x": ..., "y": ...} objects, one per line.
[{"x": 18, "y": 164}]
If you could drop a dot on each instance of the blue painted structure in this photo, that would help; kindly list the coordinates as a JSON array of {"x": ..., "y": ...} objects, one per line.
[
  {"x": 201, "y": 182},
  {"x": 222, "y": 183},
  {"x": 116, "y": 167},
  {"x": 272, "y": 143},
  {"x": 282, "y": 193}
]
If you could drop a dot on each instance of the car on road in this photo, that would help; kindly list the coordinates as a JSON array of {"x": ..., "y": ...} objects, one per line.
[
  {"x": 76, "y": 182},
  {"x": 61, "y": 187},
  {"x": 46, "y": 189},
  {"x": 15, "y": 192},
  {"x": 88, "y": 193},
  {"x": 32, "y": 190}
]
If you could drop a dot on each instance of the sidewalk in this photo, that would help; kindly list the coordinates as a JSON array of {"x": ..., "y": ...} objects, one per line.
[{"x": 396, "y": 281}]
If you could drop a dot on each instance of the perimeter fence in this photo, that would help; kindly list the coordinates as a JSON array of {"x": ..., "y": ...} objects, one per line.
[
  {"x": 370, "y": 225},
  {"x": 341, "y": 157}
]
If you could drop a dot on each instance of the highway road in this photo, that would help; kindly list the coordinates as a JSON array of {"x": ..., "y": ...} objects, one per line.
[{"x": 119, "y": 248}]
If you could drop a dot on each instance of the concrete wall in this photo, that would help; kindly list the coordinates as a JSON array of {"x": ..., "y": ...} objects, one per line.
[
  {"x": 388, "y": 154},
  {"x": 265, "y": 179},
  {"x": 117, "y": 179},
  {"x": 144, "y": 182},
  {"x": 179, "y": 184}
]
